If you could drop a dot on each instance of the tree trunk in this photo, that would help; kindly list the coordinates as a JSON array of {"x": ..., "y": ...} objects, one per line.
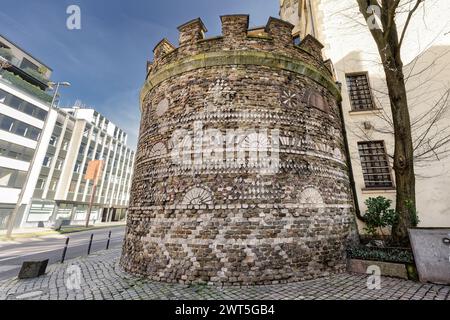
[
  {"x": 389, "y": 47},
  {"x": 403, "y": 154}
]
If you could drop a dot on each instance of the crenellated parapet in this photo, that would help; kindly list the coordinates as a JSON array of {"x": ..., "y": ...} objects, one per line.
[
  {"x": 162, "y": 48},
  {"x": 235, "y": 27},
  {"x": 280, "y": 31},
  {"x": 271, "y": 45},
  {"x": 312, "y": 45},
  {"x": 191, "y": 32}
]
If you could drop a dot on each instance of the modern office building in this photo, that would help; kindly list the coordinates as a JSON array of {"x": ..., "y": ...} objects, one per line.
[
  {"x": 79, "y": 136},
  {"x": 24, "y": 104},
  {"x": 71, "y": 137},
  {"x": 347, "y": 41}
]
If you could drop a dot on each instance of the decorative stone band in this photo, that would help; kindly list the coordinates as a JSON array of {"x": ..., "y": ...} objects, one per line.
[
  {"x": 241, "y": 206},
  {"x": 226, "y": 58}
]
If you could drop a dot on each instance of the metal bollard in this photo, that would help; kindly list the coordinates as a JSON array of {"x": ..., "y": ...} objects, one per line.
[
  {"x": 65, "y": 250},
  {"x": 109, "y": 240},
  {"x": 90, "y": 244}
]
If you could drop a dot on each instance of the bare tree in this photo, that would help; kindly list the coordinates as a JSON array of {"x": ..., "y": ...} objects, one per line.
[{"x": 389, "y": 39}]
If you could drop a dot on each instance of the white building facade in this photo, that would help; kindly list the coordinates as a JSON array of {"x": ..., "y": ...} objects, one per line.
[
  {"x": 45, "y": 151},
  {"x": 24, "y": 106},
  {"x": 19, "y": 135},
  {"x": 349, "y": 44},
  {"x": 62, "y": 192}
]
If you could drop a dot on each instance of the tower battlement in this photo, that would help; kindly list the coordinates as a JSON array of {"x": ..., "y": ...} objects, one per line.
[
  {"x": 275, "y": 38},
  {"x": 276, "y": 35}
]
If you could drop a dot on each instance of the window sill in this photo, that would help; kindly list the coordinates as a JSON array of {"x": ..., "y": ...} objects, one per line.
[
  {"x": 378, "y": 190},
  {"x": 363, "y": 112}
]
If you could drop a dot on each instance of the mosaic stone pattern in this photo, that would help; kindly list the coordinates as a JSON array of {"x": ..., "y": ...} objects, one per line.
[{"x": 219, "y": 218}]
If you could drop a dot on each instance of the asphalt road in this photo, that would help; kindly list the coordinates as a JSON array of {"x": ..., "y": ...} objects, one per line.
[{"x": 13, "y": 254}]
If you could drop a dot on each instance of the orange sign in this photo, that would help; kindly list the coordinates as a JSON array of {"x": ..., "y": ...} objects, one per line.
[{"x": 94, "y": 170}]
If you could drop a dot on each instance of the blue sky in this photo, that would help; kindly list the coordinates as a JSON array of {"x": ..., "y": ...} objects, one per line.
[{"x": 105, "y": 60}]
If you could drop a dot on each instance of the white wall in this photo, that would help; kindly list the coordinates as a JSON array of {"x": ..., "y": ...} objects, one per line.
[
  {"x": 351, "y": 47},
  {"x": 39, "y": 157}
]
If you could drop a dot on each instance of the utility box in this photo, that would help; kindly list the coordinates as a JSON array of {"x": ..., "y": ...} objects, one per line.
[{"x": 431, "y": 248}]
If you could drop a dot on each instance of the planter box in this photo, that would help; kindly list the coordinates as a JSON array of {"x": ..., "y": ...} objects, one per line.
[
  {"x": 388, "y": 269},
  {"x": 431, "y": 248}
]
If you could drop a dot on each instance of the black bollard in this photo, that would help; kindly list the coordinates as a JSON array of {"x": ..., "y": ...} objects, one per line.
[
  {"x": 90, "y": 244},
  {"x": 109, "y": 240},
  {"x": 65, "y": 250}
]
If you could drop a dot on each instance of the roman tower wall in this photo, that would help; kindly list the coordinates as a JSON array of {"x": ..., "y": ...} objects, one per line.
[{"x": 240, "y": 175}]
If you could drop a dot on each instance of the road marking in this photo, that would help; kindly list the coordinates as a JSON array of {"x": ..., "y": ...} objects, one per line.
[
  {"x": 59, "y": 248},
  {"x": 8, "y": 268}
]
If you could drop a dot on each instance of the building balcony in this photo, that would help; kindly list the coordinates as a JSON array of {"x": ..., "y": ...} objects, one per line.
[{"x": 11, "y": 78}]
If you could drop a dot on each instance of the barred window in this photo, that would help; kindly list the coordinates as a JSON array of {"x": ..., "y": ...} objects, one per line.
[
  {"x": 359, "y": 91},
  {"x": 375, "y": 164}
]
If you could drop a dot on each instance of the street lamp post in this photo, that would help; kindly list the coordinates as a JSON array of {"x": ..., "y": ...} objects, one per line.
[{"x": 13, "y": 216}]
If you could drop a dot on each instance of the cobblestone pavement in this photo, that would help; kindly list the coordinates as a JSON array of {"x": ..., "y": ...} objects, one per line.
[{"x": 103, "y": 279}]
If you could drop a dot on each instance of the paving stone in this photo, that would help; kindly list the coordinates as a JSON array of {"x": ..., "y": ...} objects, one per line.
[{"x": 115, "y": 284}]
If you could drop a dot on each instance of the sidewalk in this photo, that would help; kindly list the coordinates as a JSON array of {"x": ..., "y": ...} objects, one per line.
[
  {"x": 25, "y": 233},
  {"x": 99, "y": 277}
]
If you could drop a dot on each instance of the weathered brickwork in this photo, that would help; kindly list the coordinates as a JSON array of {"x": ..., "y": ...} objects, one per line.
[{"x": 276, "y": 216}]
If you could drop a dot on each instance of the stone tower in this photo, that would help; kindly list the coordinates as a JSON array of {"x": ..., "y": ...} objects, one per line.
[
  {"x": 240, "y": 173},
  {"x": 302, "y": 14}
]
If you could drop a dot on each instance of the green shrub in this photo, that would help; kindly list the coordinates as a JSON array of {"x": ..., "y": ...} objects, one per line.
[
  {"x": 396, "y": 255},
  {"x": 26, "y": 86},
  {"x": 379, "y": 215},
  {"x": 6, "y": 53},
  {"x": 36, "y": 75}
]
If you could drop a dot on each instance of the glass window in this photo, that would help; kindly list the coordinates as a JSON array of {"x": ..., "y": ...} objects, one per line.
[
  {"x": 73, "y": 186},
  {"x": 34, "y": 133},
  {"x": 5, "y": 176},
  {"x": 360, "y": 92},
  {"x": 90, "y": 152},
  {"x": 47, "y": 161},
  {"x": 40, "y": 114},
  {"x": 12, "y": 178},
  {"x": 15, "y": 102},
  {"x": 20, "y": 128},
  {"x": 3, "y": 96},
  {"x": 28, "y": 108},
  {"x": 82, "y": 148},
  {"x": 40, "y": 183},
  {"x": 77, "y": 167},
  {"x": 65, "y": 145},
  {"x": 375, "y": 164},
  {"x": 53, "y": 184},
  {"x": 21, "y": 105},
  {"x": 28, "y": 64},
  {"x": 53, "y": 141},
  {"x": 14, "y": 151},
  {"x": 20, "y": 179},
  {"x": 59, "y": 164},
  {"x": 6, "y": 123}
]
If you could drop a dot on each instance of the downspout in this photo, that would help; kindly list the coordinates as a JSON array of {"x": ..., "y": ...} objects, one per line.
[{"x": 349, "y": 162}]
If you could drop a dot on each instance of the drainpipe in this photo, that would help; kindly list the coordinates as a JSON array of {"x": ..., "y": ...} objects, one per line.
[{"x": 349, "y": 162}]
